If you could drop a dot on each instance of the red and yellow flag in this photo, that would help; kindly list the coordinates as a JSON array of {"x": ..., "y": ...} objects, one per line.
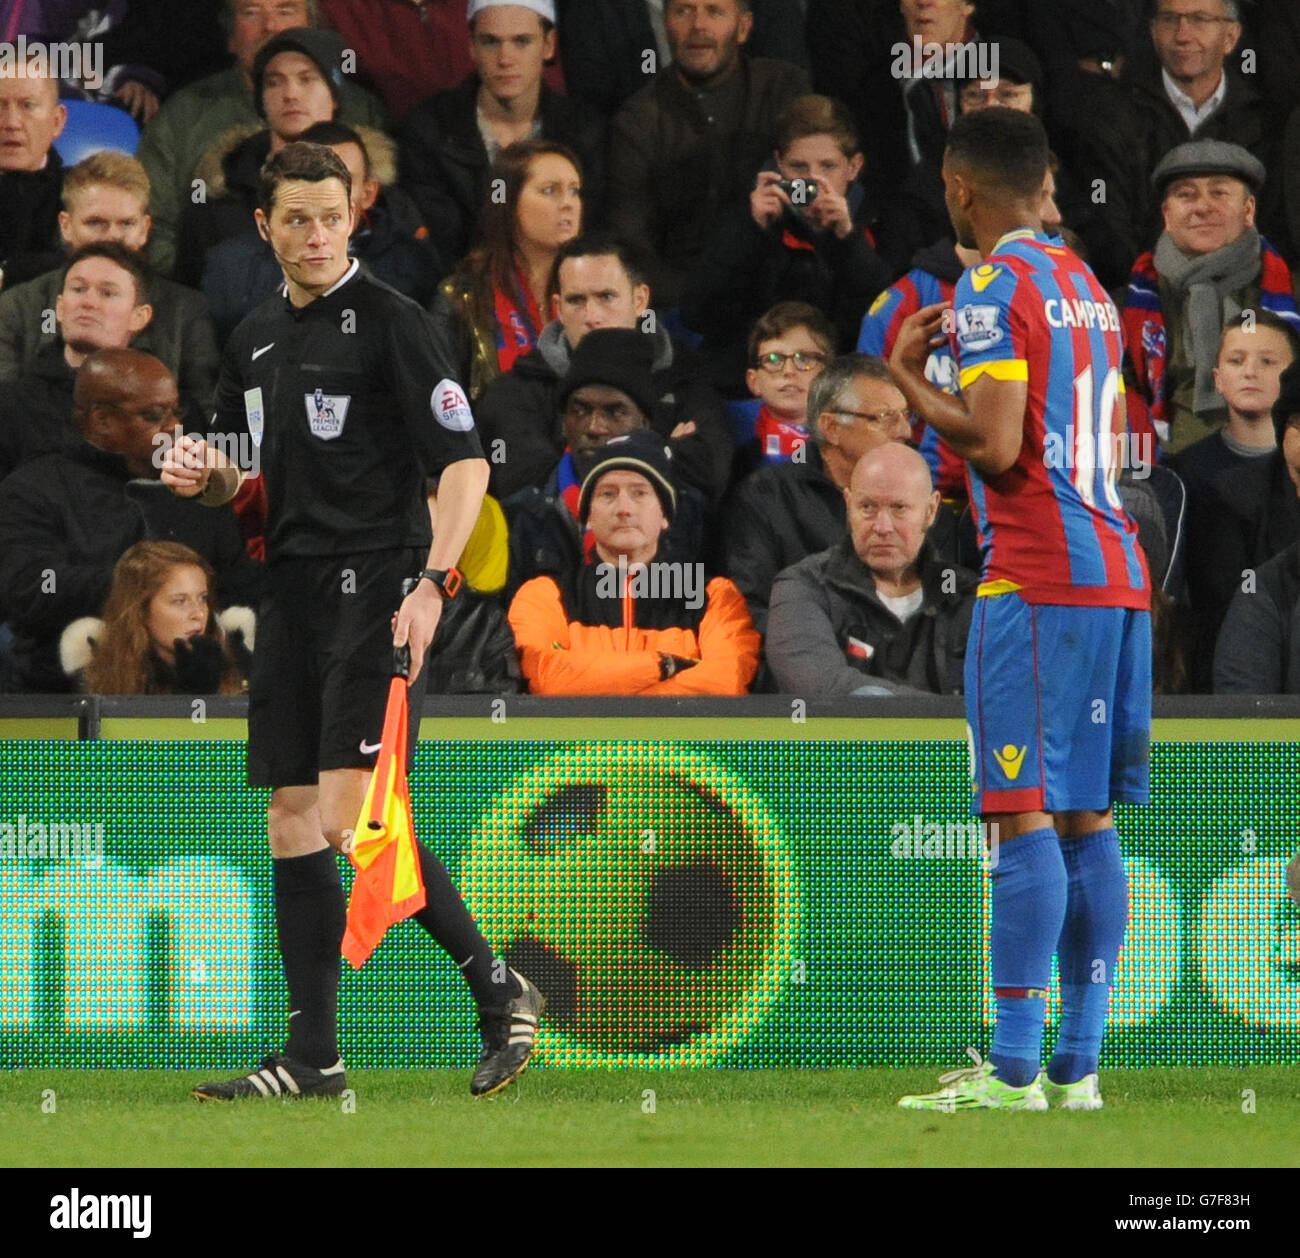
[{"x": 387, "y": 887}]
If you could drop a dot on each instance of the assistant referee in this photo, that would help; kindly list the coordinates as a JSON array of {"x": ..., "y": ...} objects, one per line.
[{"x": 346, "y": 391}]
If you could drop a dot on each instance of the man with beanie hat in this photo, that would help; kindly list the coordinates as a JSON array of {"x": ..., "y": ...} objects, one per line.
[
  {"x": 199, "y": 114},
  {"x": 622, "y": 619},
  {"x": 1209, "y": 265},
  {"x": 600, "y": 281},
  {"x": 297, "y": 77},
  {"x": 607, "y": 392},
  {"x": 449, "y": 142}
]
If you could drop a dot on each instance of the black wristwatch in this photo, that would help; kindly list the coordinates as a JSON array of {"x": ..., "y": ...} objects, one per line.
[{"x": 448, "y": 581}]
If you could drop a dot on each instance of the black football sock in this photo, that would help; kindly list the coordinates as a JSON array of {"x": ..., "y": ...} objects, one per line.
[
  {"x": 310, "y": 914},
  {"x": 447, "y": 919}
]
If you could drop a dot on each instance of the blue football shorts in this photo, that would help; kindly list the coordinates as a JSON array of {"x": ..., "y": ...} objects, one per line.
[{"x": 1058, "y": 706}]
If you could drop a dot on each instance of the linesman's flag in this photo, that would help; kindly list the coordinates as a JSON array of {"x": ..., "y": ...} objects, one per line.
[{"x": 387, "y": 887}]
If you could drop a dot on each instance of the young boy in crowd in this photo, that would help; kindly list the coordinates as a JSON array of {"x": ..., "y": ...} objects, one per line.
[{"x": 788, "y": 348}]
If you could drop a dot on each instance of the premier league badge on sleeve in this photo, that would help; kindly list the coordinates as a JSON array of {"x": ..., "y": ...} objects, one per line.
[
  {"x": 977, "y": 328},
  {"x": 327, "y": 413}
]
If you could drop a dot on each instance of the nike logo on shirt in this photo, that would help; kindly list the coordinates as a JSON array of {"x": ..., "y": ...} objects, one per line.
[{"x": 257, "y": 353}]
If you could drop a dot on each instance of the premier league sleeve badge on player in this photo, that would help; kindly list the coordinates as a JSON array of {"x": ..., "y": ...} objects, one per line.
[
  {"x": 978, "y": 328},
  {"x": 327, "y": 413}
]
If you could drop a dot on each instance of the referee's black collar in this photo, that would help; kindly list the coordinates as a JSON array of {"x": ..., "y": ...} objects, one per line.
[{"x": 300, "y": 312}]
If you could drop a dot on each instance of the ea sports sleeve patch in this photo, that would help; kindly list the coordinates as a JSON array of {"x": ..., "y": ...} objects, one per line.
[{"x": 451, "y": 407}]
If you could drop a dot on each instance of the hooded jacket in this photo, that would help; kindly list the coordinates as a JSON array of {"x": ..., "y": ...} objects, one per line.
[{"x": 188, "y": 124}]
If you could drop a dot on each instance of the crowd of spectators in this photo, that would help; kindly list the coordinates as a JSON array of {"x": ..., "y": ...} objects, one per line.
[{"x": 670, "y": 243}]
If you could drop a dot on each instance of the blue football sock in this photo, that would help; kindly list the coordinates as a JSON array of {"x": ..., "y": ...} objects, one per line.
[
  {"x": 1028, "y": 909},
  {"x": 1096, "y": 915}
]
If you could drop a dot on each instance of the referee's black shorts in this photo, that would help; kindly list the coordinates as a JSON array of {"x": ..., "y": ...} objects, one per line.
[{"x": 322, "y": 664}]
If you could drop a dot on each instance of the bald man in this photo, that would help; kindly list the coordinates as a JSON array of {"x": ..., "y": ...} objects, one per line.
[
  {"x": 31, "y": 176},
  {"x": 67, "y": 517},
  {"x": 878, "y": 613}
]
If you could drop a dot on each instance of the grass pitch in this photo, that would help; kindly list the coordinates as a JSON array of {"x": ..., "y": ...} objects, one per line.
[{"x": 1196, "y": 1118}]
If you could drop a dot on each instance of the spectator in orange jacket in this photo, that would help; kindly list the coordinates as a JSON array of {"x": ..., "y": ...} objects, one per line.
[{"x": 623, "y": 622}]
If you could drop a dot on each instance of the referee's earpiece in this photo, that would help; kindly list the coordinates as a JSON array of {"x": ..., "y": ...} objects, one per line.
[{"x": 266, "y": 235}]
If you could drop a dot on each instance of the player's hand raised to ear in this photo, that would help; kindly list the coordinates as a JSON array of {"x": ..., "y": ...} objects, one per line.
[{"x": 918, "y": 334}]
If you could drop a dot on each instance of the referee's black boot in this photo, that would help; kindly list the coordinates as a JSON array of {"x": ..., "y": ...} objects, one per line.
[
  {"x": 509, "y": 1035},
  {"x": 279, "y": 1076}
]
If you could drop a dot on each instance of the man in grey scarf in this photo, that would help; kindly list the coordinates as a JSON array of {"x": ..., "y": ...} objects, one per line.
[{"x": 1211, "y": 266}]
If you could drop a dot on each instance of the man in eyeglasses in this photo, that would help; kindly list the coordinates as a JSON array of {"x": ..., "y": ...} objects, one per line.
[
  {"x": 1189, "y": 91},
  {"x": 878, "y": 613},
  {"x": 788, "y": 510}
]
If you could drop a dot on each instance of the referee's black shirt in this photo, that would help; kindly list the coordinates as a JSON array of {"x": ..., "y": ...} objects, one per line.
[{"x": 355, "y": 399}]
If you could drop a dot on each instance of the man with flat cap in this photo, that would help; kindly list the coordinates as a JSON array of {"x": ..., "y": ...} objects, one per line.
[
  {"x": 1196, "y": 86},
  {"x": 1210, "y": 266}
]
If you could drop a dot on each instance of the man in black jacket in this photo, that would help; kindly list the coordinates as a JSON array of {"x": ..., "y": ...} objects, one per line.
[
  {"x": 688, "y": 144},
  {"x": 878, "y": 613},
  {"x": 1188, "y": 92},
  {"x": 803, "y": 234},
  {"x": 106, "y": 198},
  {"x": 448, "y": 142},
  {"x": 607, "y": 391},
  {"x": 31, "y": 175},
  {"x": 600, "y": 282},
  {"x": 102, "y": 303},
  {"x": 785, "y": 511},
  {"x": 67, "y": 517},
  {"x": 1251, "y": 558},
  {"x": 610, "y": 48}
]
